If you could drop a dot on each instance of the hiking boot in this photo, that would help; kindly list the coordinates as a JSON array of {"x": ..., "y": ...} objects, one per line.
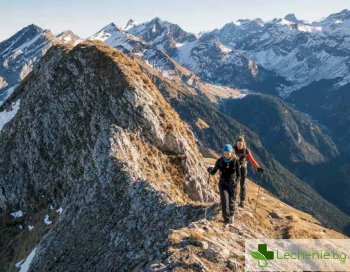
[{"x": 241, "y": 204}]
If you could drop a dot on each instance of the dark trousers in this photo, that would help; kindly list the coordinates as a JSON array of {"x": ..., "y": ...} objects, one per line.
[
  {"x": 243, "y": 186},
  {"x": 228, "y": 193}
]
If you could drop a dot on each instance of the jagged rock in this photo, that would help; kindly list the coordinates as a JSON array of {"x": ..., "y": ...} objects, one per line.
[
  {"x": 274, "y": 215},
  {"x": 211, "y": 254}
]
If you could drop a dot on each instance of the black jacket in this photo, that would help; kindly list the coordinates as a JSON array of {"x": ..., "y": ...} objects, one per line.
[{"x": 227, "y": 169}]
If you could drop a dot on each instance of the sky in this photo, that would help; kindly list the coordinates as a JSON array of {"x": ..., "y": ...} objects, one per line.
[{"x": 86, "y": 17}]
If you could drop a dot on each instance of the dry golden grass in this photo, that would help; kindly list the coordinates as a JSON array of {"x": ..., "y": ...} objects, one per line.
[
  {"x": 195, "y": 234},
  {"x": 200, "y": 123},
  {"x": 175, "y": 237},
  {"x": 276, "y": 218},
  {"x": 290, "y": 222}
]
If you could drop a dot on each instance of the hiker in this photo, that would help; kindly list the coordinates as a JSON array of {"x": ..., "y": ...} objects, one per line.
[
  {"x": 242, "y": 152},
  {"x": 229, "y": 167}
]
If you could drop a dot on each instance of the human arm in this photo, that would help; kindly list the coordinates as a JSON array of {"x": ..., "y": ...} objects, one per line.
[
  {"x": 254, "y": 162},
  {"x": 213, "y": 170}
]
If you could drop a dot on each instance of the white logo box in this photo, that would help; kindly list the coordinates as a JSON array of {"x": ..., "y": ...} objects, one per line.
[{"x": 297, "y": 255}]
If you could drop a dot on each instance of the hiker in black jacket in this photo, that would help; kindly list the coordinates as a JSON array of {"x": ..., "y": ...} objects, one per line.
[{"x": 229, "y": 175}]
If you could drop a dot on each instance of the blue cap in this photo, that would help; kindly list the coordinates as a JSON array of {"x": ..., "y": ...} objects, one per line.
[{"x": 227, "y": 148}]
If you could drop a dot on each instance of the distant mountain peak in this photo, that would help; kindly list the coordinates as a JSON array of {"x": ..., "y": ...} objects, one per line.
[
  {"x": 31, "y": 30},
  {"x": 156, "y": 19},
  {"x": 241, "y": 22},
  {"x": 130, "y": 24},
  {"x": 33, "y": 27},
  {"x": 111, "y": 27},
  {"x": 344, "y": 11},
  {"x": 291, "y": 17},
  {"x": 106, "y": 32},
  {"x": 342, "y": 15},
  {"x": 68, "y": 36}
]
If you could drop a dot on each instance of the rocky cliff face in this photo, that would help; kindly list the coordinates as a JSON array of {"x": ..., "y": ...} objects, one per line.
[{"x": 96, "y": 138}]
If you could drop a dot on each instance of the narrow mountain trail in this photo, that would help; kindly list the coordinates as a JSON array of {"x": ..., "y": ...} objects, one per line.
[{"x": 209, "y": 245}]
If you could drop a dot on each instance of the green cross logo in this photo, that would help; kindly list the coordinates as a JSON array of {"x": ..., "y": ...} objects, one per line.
[{"x": 262, "y": 255}]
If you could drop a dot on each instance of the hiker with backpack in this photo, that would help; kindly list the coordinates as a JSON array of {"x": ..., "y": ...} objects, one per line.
[
  {"x": 242, "y": 152},
  {"x": 228, "y": 165}
]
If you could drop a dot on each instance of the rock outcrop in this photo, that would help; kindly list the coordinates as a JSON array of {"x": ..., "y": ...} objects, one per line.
[{"x": 95, "y": 137}]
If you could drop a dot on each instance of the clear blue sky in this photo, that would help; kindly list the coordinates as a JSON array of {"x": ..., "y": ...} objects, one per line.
[{"x": 85, "y": 17}]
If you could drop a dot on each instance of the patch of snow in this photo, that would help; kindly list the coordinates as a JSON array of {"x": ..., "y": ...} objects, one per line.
[
  {"x": 246, "y": 91},
  {"x": 30, "y": 227},
  {"x": 116, "y": 37},
  {"x": 6, "y": 116},
  {"x": 285, "y": 22},
  {"x": 105, "y": 32},
  {"x": 154, "y": 29},
  {"x": 7, "y": 94},
  {"x": 299, "y": 70},
  {"x": 25, "y": 264},
  {"x": 338, "y": 22},
  {"x": 239, "y": 96},
  {"x": 139, "y": 54},
  {"x": 17, "y": 214},
  {"x": 25, "y": 45},
  {"x": 47, "y": 220},
  {"x": 306, "y": 28},
  {"x": 184, "y": 55},
  {"x": 224, "y": 49},
  {"x": 300, "y": 27},
  {"x": 60, "y": 210}
]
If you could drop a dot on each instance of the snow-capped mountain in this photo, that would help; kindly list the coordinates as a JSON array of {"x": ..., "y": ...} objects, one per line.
[
  {"x": 220, "y": 64},
  {"x": 24, "y": 49},
  {"x": 129, "y": 44},
  {"x": 301, "y": 52},
  {"x": 119, "y": 38},
  {"x": 337, "y": 24},
  {"x": 18, "y": 53},
  {"x": 277, "y": 56},
  {"x": 68, "y": 37},
  {"x": 162, "y": 34},
  {"x": 207, "y": 56}
]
